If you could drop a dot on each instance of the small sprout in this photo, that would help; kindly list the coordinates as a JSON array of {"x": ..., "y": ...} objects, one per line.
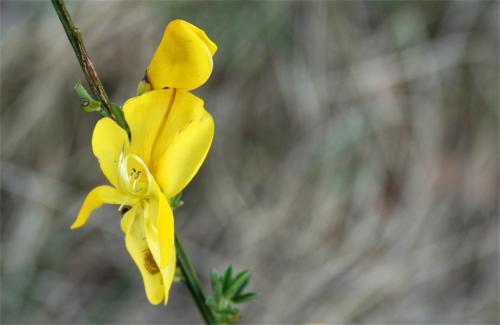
[
  {"x": 176, "y": 202},
  {"x": 88, "y": 104},
  {"x": 143, "y": 87},
  {"x": 228, "y": 291},
  {"x": 237, "y": 283},
  {"x": 82, "y": 92}
]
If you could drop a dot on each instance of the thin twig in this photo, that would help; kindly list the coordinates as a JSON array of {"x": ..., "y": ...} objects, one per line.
[
  {"x": 88, "y": 69},
  {"x": 193, "y": 283},
  {"x": 75, "y": 38}
]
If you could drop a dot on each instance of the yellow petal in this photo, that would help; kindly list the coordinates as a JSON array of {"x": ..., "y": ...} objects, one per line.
[
  {"x": 159, "y": 225},
  {"x": 145, "y": 115},
  {"x": 168, "y": 274},
  {"x": 127, "y": 220},
  {"x": 137, "y": 246},
  {"x": 98, "y": 196},
  {"x": 109, "y": 141},
  {"x": 182, "y": 143},
  {"x": 183, "y": 59},
  {"x": 160, "y": 228},
  {"x": 165, "y": 228}
]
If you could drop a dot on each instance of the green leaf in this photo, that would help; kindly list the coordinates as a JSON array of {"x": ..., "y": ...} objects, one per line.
[
  {"x": 228, "y": 316},
  {"x": 210, "y": 301},
  {"x": 176, "y": 202},
  {"x": 238, "y": 282},
  {"x": 227, "y": 278},
  {"x": 231, "y": 310},
  {"x": 241, "y": 288},
  {"x": 213, "y": 279},
  {"x": 117, "y": 110},
  {"x": 143, "y": 87},
  {"x": 92, "y": 106},
  {"x": 244, "y": 297},
  {"x": 225, "y": 318},
  {"x": 82, "y": 92},
  {"x": 120, "y": 117},
  {"x": 227, "y": 291},
  {"x": 216, "y": 286},
  {"x": 88, "y": 104}
]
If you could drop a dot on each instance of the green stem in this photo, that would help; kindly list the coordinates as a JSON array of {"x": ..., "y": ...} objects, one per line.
[
  {"x": 110, "y": 109},
  {"x": 193, "y": 283},
  {"x": 75, "y": 38}
]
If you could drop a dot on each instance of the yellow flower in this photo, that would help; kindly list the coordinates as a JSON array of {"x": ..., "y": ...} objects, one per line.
[
  {"x": 183, "y": 59},
  {"x": 171, "y": 134}
]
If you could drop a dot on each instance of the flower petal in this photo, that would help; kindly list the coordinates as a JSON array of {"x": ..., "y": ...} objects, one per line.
[
  {"x": 182, "y": 144},
  {"x": 109, "y": 141},
  {"x": 145, "y": 115},
  {"x": 127, "y": 220},
  {"x": 183, "y": 58},
  {"x": 168, "y": 274},
  {"x": 159, "y": 228},
  {"x": 98, "y": 196},
  {"x": 137, "y": 246}
]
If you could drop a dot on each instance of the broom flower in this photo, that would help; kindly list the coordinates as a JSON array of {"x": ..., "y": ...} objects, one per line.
[{"x": 170, "y": 135}]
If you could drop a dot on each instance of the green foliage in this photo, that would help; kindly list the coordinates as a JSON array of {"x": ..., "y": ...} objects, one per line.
[
  {"x": 226, "y": 292},
  {"x": 88, "y": 104},
  {"x": 176, "y": 201},
  {"x": 143, "y": 87}
]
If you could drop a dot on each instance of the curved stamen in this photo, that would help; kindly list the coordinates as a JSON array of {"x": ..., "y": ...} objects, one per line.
[{"x": 133, "y": 173}]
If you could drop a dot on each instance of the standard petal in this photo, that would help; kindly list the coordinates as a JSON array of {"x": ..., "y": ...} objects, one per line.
[
  {"x": 137, "y": 246},
  {"x": 145, "y": 115},
  {"x": 109, "y": 141},
  {"x": 182, "y": 143},
  {"x": 183, "y": 59},
  {"x": 98, "y": 196}
]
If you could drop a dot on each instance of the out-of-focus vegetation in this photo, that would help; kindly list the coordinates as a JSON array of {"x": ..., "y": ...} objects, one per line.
[{"x": 354, "y": 169}]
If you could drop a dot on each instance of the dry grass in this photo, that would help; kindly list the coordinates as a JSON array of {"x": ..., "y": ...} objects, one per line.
[{"x": 354, "y": 169}]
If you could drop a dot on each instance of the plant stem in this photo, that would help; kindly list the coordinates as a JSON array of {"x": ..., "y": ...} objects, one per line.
[
  {"x": 75, "y": 38},
  {"x": 193, "y": 283},
  {"x": 109, "y": 109}
]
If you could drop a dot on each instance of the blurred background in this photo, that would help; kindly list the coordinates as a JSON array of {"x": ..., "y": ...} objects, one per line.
[{"x": 354, "y": 168}]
